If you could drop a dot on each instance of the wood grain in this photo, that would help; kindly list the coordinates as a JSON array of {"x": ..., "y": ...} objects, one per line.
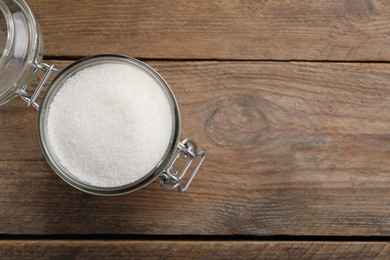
[
  {"x": 240, "y": 29},
  {"x": 292, "y": 148},
  {"x": 58, "y": 249}
]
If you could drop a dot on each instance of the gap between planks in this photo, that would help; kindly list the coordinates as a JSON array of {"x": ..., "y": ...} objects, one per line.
[{"x": 75, "y": 58}]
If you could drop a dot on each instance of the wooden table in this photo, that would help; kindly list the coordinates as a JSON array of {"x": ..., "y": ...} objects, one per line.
[{"x": 290, "y": 99}]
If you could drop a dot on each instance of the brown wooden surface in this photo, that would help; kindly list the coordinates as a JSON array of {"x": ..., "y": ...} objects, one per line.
[
  {"x": 192, "y": 250},
  {"x": 238, "y": 29},
  {"x": 296, "y": 149},
  {"x": 293, "y": 148}
]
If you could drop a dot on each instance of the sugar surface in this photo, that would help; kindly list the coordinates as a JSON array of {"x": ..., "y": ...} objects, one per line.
[{"x": 109, "y": 124}]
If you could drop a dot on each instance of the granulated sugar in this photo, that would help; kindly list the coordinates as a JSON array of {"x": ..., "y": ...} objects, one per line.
[{"x": 110, "y": 124}]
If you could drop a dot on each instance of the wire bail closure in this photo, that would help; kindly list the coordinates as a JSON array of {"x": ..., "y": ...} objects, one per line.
[
  {"x": 23, "y": 89},
  {"x": 170, "y": 179}
]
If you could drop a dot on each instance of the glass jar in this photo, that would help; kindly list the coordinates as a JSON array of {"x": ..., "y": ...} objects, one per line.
[{"x": 21, "y": 58}]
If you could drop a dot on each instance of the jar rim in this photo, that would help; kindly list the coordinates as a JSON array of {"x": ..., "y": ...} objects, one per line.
[{"x": 53, "y": 88}]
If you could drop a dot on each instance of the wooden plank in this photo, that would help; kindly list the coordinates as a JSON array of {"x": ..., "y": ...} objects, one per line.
[
  {"x": 58, "y": 249},
  {"x": 293, "y": 148},
  {"x": 271, "y": 30}
]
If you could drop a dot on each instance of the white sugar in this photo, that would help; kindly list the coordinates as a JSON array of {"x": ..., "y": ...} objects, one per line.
[{"x": 110, "y": 124}]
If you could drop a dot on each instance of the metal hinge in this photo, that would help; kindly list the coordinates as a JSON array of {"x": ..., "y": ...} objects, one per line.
[
  {"x": 188, "y": 150},
  {"x": 23, "y": 89}
]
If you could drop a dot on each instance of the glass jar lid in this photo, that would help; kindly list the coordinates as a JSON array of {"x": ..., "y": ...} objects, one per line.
[{"x": 20, "y": 46}]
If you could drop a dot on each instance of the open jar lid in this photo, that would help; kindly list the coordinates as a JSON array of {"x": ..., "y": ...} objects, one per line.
[{"x": 20, "y": 46}]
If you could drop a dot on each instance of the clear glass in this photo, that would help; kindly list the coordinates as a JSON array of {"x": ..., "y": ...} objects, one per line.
[
  {"x": 21, "y": 47},
  {"x": 50, "y": 155},
  {"x": 3, "y": 31}
]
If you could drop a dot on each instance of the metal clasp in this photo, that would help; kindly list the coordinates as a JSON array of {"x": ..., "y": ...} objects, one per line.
[
  {"x": 23, "y": 89},
  {"x": 170, "y": 179}
]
